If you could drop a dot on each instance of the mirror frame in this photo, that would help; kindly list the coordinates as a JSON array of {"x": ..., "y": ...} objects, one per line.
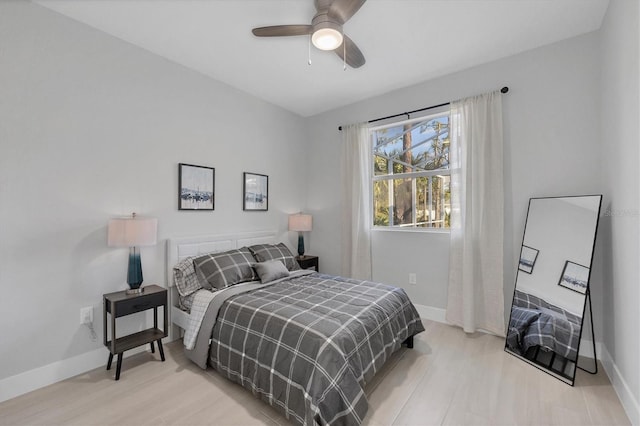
[{"x": 548, "y": 368}]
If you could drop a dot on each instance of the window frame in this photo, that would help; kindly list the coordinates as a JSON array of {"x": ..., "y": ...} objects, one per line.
[{"x": 439, "y": 112}]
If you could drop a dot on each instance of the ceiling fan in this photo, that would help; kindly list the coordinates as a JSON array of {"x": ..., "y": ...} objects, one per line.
[{"x": 325, "y": 29}]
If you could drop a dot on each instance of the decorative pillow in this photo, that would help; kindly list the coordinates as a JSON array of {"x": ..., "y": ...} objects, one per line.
[
  {"x": 264, "y": 252},
  {"x": 221, "y": 270},
  {"x": 186, "y": 302},
  {"x": 271, "y": 270},
  {"x": 553, "y": 313},
  {"x": 521, "y": 319},
  {"x": 184, "y": 276}
]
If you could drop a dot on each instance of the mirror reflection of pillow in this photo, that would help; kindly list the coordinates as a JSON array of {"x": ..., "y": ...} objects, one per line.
[
  {"x": 553, "y": 313},
  {"x": 521, "y": 319}
]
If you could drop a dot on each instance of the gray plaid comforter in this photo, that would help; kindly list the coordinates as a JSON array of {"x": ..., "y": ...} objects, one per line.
[
  {"x": 555, "y": 328},
  {"x": 309, "y": 345}
]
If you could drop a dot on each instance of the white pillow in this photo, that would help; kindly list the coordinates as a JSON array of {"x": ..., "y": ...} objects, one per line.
[{"x": 270, "y": 270}]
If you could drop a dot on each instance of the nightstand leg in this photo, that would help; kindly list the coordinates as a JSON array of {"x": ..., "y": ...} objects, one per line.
[
  {"x": 160, "y": 349},
  {"x": 118, "y": 366},
  {"x": 109, "y": 362},
  {"x": 153, "y": 350}
]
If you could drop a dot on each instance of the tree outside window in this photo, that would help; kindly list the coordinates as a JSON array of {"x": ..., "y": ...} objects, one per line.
[{"x": 411, "y": 182}]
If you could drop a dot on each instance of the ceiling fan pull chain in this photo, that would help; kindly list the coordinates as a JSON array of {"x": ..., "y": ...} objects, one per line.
[
  {"x": 309, "y": 49},
  {"x": 344, "y": 53}
]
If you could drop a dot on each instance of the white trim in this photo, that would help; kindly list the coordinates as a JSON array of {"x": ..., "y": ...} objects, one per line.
[
  {"x": 179, "y": 318},
  {"x": 46, "y": 375},
  {"x": 397, "y": 228},
  {"x": 413, "y": 175},
  {"x": 627, "y": 399},
  {"x": 431, "y": 313}
]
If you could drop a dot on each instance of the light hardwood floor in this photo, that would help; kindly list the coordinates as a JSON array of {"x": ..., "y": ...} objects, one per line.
[{"x": 449, "y": 378}]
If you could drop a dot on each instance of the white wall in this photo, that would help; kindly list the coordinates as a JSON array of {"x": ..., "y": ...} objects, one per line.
[
  {"x": 552, "y": 139},
  {"x": 397, "y": 254},
  {"x": 92, "y": 127},
  {"x": 620, "y": 225}
]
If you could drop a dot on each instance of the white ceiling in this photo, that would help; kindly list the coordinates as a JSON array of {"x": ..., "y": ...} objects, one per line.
[{"x": 404, "y": 41}]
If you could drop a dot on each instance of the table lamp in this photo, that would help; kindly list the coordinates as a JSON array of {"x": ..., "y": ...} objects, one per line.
[
  {"x": 133, "y": 232},
  {"x": 301, "y": 223}
]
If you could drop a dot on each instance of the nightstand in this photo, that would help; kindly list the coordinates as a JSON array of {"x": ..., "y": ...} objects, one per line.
[
  {"x": 120, "y": 304},
  {"x": 308, "y": 262}
]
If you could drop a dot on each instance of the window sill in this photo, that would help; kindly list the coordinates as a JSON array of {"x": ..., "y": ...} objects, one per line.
[{"x": 407, "y": 229}]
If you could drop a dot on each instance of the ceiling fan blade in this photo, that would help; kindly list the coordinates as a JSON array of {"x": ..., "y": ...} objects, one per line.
[
  {"x": 355, "y": 58},
  {"x": 322, "y": 4},
  {"x": 343, "y": 10},
  {"x": 282, "y": 30}
]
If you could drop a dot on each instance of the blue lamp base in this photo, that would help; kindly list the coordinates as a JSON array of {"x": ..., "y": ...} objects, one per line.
[
  {"x": 300, "y": 244},
  {"x": 134, "y": 273}
]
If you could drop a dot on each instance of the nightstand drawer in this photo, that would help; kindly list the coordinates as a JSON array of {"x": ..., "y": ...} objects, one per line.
[
  {"x": 308, "y": 262},
  {"x": 139, "y": 304}
]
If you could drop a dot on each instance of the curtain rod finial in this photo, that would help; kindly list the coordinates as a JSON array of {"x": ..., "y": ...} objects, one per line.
[{"x": 505, "y": 89}]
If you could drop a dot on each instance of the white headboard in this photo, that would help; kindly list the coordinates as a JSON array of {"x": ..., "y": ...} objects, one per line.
[{"x": 181, "y": 247}]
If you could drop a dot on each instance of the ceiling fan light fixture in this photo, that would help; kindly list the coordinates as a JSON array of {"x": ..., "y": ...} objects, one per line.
[
  {"x": 325, "y": 31},
  {"x": 326, "y": 38}
]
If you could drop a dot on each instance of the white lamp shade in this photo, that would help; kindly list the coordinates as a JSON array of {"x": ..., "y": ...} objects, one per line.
[
  {"x": 130, "y": 232},
  {"x": 300, "y": 222}
]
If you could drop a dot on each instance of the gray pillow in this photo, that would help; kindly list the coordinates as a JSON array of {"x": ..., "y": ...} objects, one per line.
[
  {"x": 184, "y": 276},
  {"x": 553, "y": 313},
  {"x": 521, "y": 319},
  {"x": 221, "y": 270},
  {"x": 271, "y": 270},
  {"x": 264, "y": 252}
]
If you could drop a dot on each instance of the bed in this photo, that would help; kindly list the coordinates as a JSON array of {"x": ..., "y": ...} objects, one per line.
[{"x": 306, "y": 343}]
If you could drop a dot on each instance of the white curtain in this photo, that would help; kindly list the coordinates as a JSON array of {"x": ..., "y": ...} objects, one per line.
[
  {"x": 475, "y": 296},
  {"x": 356, "y": 201}
]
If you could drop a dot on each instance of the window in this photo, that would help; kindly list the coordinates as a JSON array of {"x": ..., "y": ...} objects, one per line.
[{"x": 411, "y": 179}]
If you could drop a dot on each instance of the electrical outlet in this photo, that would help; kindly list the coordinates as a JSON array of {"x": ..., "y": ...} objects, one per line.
[
  {"x": 412, "y": 278},
  {"x": 86, "y": 315}
]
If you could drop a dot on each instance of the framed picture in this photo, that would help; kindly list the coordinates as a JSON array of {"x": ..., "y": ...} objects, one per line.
[
  {"x": 575, "y": 277},
  {"x": 255, "y": 190},
  {"x": 196, "y": 187},
  {"x": 528, "y": 257}
]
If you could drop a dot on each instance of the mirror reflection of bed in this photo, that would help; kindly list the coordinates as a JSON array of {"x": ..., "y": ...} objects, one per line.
[
  {"x": 544, "y": 333},
  {"x": 547, "y": 313}
]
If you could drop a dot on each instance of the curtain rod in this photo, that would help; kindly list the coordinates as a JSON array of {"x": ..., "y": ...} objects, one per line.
[{"x": 505, "y": 89}]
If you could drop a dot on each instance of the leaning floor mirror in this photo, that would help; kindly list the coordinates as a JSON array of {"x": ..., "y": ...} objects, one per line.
[{"x": 552, "y": 283}]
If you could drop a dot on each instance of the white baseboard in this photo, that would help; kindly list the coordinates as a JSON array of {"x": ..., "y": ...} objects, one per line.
[
  {"x": 431, "y": 313},
  {"x": 46, "y": 375},
  {"x": 628, "y": 400}
]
